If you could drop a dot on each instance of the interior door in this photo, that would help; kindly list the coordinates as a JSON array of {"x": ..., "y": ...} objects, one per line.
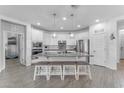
[
  {"x": 21, "y": 48},
  {"x": 99, "y": 49}
]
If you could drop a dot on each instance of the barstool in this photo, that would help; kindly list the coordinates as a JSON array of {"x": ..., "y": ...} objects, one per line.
[
  {"x": 69, "y": 70},
  {"x": 83, "y": 70},
  {"x": 55, "y": 70},
  {"x": 41, "y": 70}
]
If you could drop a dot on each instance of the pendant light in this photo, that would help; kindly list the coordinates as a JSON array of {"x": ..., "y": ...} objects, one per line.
[
  {"x": 54, "y": 22},
  {"x": 75, "y": 6},
  {"x": 72, "y": 17}
]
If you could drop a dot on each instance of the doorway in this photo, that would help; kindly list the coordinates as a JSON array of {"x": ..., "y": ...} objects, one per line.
[
  {"x": 121, "y": 36},
  {"x": 120, "y": 27},
  {"x": 13, "y": 47}
]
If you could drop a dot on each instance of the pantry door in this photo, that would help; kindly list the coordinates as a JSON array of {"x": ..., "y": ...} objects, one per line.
[{"x": 99, "y": 49}]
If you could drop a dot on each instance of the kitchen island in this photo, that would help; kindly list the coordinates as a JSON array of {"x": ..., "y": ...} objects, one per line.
[{"x": 63, "y": 64}]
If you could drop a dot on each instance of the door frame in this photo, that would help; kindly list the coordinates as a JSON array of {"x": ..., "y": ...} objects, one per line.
[{"x": 4, "y": 45}]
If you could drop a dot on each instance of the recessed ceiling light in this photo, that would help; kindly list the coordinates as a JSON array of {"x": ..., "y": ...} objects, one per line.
[
  {"x": 61, "y": 27},
  {"x": 71, "y": 35},
  {"x": 78, "y": 25},
  {"x": 97, "y": 20},
  {"x": 38, "y": 23},
  {"x": 64, "y": 18}
]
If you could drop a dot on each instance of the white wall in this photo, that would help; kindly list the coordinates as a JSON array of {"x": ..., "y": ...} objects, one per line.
[
  {"x": 37, "y": 35},
  {"x": 111, "y": 27},
  {"x": 49, "y": 40},
  {"x": 84, "y": 34}
]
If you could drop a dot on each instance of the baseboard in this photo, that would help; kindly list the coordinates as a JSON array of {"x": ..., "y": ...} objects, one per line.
[{"x": 109, "y": 67}]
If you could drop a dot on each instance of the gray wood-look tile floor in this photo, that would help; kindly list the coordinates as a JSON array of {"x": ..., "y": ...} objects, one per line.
[{"x": 18, "y": 76}]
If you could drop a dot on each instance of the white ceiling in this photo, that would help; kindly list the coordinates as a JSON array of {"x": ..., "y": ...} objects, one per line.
[{"x": 83, "y": 15}]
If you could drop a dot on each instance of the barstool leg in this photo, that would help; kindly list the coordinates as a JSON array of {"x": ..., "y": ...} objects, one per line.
[
  {"x": 35, "y": 73},
  {"x": 63, "y": 74},
  {"x": 89, "y": 72},
  {"x": 48, "y": 73},
  {"x": 34, "y": 77},
  {"x": 62, "y": 78},
  {"x": 48, "y": 77},
  {"x": 77, "y": 77},
  {"x": 77, "y": 74},
  {"x": 61, "y": 70}
]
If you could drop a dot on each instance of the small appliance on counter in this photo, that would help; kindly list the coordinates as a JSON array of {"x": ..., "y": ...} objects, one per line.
[
  {"x": 36, "y": 48},
  {"x": 62, "y": 45}
]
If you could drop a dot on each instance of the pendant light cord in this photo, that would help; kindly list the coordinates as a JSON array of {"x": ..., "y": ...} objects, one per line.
[
  {"x": 54, "y": 16},
  {"x": 72, "y": 15}
]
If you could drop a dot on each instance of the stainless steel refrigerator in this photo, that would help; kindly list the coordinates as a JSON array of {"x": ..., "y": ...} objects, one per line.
[{"x": 82, "y": 46}]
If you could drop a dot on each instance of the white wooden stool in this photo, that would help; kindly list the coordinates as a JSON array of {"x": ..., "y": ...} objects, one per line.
[
  {"x": 69, "y": 70},
  {"x": 41, "y": 70},
  {"x": 83, "y": 70},
  {"x": 55, "y": 70}
]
